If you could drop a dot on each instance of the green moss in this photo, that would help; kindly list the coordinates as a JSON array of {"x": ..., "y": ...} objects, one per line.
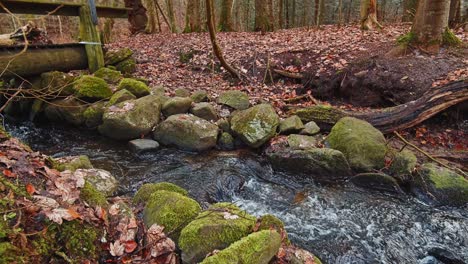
[
  {"x": 109, "y": 75},
  {"x": 120, "y": 96},
  {"x": 443, "y": 178},
  {"x": 199, "y": 96},
  {"x": 92, "y": 88},
  {"x": 215, "y": 228},
  {"x": 56, "y": 82},
  {"x": 320, "y": 114},
  {"x": 268, "y": 222},
  {"x": 127, "y": 66},
  {"x": 185, "y": 57},
  {"x": 235, "y": 99},
  {"x": 10, "y": 254},
  {"x": 72, "y": 163},
  {"x": 93, "y": 114},
  {"x": 137, "y": 88},
  {"x": 259, "y": 248},
  {"x": 181, "y": 92},
  {"x": 449, "y": 38},
  {"x": 79, "y": 240},
  {"x": 171, "y": 210},
  {"x": 114, "y": 57},
  {"x": 92, "y": 196},
  {"x": 146, "y": 190},
  {"x": 403, "y": 163},
  {"x": 407, "y": 38}
]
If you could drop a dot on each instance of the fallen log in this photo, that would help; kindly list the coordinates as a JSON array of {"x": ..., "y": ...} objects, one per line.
[{"x": 394, "y": 118}]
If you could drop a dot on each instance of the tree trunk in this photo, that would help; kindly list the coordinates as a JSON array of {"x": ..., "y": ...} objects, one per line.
[
  {"x": 340, "y": 12},
  {"x": 319, "y": 12},
  {"x": 193, "y": 17},
  {"x": 152, "y": 20},
  {"x": 216, "y": 49},
  {"x": 263, "y": 20},
  {"x": 171, "y": 15},
  {"x": 409, "y": 10},
  {"x": 431, "y": 22},
  {"x": 226, "y": 16},
  {"x": 280, "y": 13},
  {"x": 369, "y": 15},
  {"x": 136, "y": 16},
  {"x": 398, "y": 117},
  {"x": 287, "y": 22},
  {"x": 455, "y": 13}
]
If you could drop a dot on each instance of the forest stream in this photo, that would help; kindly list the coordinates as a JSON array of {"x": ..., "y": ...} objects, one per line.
[{"x": 341, "y": 224}]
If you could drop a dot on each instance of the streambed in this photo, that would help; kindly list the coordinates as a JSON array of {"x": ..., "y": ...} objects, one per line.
[{"x": 341, "y": 224}]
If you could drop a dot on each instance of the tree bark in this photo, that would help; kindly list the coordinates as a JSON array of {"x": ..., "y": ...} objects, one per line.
[
  {"x": 398, "y": 117},
  {"x": 369, "y": 15},
  {"x": 193, "y": 17},
  {"x": 216, "y": 49},
  {"x": 226, "y": 16},
  {"x": 263, "y": 21},
  {"x": 280, "y": 13},
  {"x": 455, "y": 13},
  {"x": 431, "y": 21},
  {"x": 151, "y": 26},
  {"x": 171, "y": 15},
  {"x": 136, "y": 16}
]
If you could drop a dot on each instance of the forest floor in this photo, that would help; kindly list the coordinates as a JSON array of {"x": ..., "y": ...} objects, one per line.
[{"x": 342, "y": 66}]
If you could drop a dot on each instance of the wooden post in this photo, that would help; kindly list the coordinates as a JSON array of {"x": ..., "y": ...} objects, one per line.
[{"x": 89, "y": 33}]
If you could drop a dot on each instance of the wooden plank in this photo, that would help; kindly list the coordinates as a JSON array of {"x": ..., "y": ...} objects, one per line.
[
  {"x": 35, "y": 61},
  {"x": 89, "y": 33},
  {"x": 43, "y": 7}
]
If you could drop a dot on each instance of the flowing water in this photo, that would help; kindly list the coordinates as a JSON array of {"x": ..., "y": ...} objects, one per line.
[{"x": 341, "y": 224}]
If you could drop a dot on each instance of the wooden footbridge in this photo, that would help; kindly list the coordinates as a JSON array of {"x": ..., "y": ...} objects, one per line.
[{"x": 87, "y": 53}]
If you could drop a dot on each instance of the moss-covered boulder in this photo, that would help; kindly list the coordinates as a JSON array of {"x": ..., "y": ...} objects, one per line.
[
  {"x": 109, "y": 75},
  {"x": 205, "y": 111},
  {"x": 322, "y": 164},
  {"x": 93, "y": 114},
  {"x": 182, "y": 92},
  {"x": 290, "y": 125},
  {"x": 67, "y": 110},
  {"x": 224, "y": 125},
  {"x": 127, "y": 66},
  {"x": 146, "y": 190},
  {"x": 131, "y": 119},
  {"x": 72, "y": 163},
  {"x": 176, "y": 105},
  {"x": 441, "y": 185},
  {"x": 199, "y": 96},
  {"x": 102, "y": 180},
  {"x": 259, "y": 248},
  {"x": 92, "y": 196},
  {"x": 187, "y": 132},
  {"x": 137, "y": 88},
  {"x": 302, "y": 141},
  {"x": 376, "y": 181},
  {"x": 363, "y": 145},
  {"x": 226, "y": 141},
  {"x": 215, "y": 228},
  {"x": 114, "y": 57},
  {"x": 171, "y": 210},
  {"x": 235, "y": 99},
  {"x": 311, "y": 128},
  {"x": 271, "y": 222},
  {"x": 57, "y": 83},
  {"x": 120, "y": 96},
  {"x": 256, "y": 125},
  {"x": 403, "y": 164},
  {"x": 91, "y": 88}
]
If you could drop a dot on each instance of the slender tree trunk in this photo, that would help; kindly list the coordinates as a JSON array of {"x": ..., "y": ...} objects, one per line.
[
  {"x": 171, "y": 15},
  {"x": 293, "y": 14},
  {"x": 287, "y": 22},
  {"x": 226, "y": 15},
  {"x": 216, "y": 49},
  {"x": 136, "y": 16},
  {"x": 340, "y": 12},
  {"x": 409, "y": 10},
  {"x": 193, "y": 17},
  {"x": 280, "y": 13},
  {"x": 431, "y": 21},
  {"x": 455, "y": 13},
  {"x": 369, "y": 15},
  {"x": 152, "y": 13},
  {"x": 263, "y": 20}
]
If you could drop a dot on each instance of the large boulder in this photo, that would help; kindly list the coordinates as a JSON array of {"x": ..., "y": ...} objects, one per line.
[
  {"x": 235, "y": 99},
  {"x": 403, "y": 164},
  {"x": 131, "y": 119},
  {"x": 302, "y": 141},
  {"x": 58, "y": 83},
  {"x": 176, "y": 105},
  {"x": 259, "y": 248},
  {"x": 137, "y": 88},
  {"x": 444, "y": 186},
  {"x": 67, "y": 110},
  {"x": 146, "y": 190},
  {"x": 256, "y": 125},
  {"x": 127, "y": 66},
  {"x": 187, "y": 132},
  {"x": 114, "y": 57},
  {"x": 121, "y": 96},
  {"x": 363, "y": 145},
  {"x": 171, "y": 210},
  {"x": 91, "y": 88},
  {"x": 322, "y": 164},
  {"x": 199, "y": 96},
  {"x": 216, "y": 228},
  {"x": 108, "y": 75}
]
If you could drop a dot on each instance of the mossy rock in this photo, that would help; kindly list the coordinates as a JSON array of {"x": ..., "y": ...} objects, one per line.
[
  {"x": 235, "y": 99},
  {"x": 199, "y": 96},
  {"x": 72, "y": 163},
  {"x": 403, "y": 164},
  {"x": 301, "y": 141},
  {"x": 131, "y": 119},
  {"x": 137, "y": 88},
  {"x": 226, "y": 141},
  {"x": 102, "y": 180},
  {"x": 127, "y": 66},
  {"x": 290, "y": 125},
  {"x": 171, "y": 210},
  {"x": 92, "y": 196},
  {"x": 109, "y": 75},
  {"x": 445, "y": 187},
  {"x": 363, "y": 145},
  {"x": 269, "y": 222},
  {"x": 259, "y": 248},
  {"x": 93, "y": 114},
  {"x": 215, "y": 228},
  {"x": 256, "y": 125},
  {"x": 114, "y": 57},
  {"x": 146, "y": 190},
  {"x": 224, "y": 125},
  {"x": 58, "y": 83},
  {"x": 181, "y": 92},
  {"x": 205, "y": 111},
  {"x": 376, "y": 181},
  {"x": 120, "y": 96},
  {"x": 67, "y": 110},
  {"x": 311, "y": 128},
  {"x": 176, "y": 105},
  {"x": 91, "y": 88}
]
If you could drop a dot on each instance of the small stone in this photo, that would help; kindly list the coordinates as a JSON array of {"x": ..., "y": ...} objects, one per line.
[
  {"x": 143, "y": 145},
  {"x": 310, "y": 129},
  {"x": 235, "y": 99},
  {"x": 226, "y": 141},
  {"x": 176, "y": 105},
  {"x": 181, "y": 92},
  {"x": 224, "y": 125},
  {"x": 205, "y": 111},
  {"x": 290, "y": 125},
  {"x": 102, "y": 180},
  {"x": 127, "y": 66},
  {"x": 199, "y": 96},
  {"x": 108, "y": 75},
  {"x": 301, "y": 141}
]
